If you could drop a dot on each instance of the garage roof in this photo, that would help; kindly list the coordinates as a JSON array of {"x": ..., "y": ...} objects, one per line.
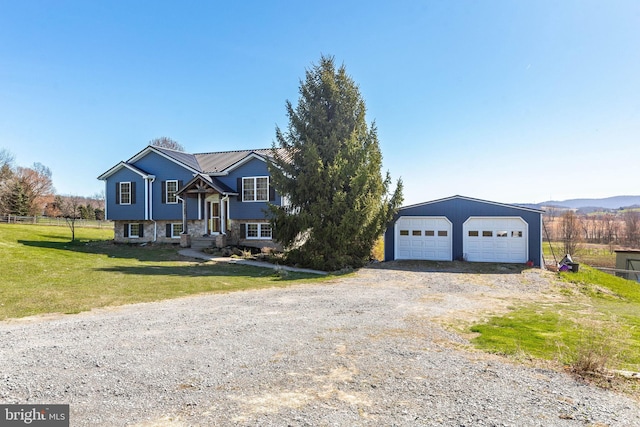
[{"x": 506, "y": 205}]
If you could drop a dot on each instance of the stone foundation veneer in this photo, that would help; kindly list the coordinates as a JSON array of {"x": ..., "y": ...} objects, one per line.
[{"x": 195, "y": 228}]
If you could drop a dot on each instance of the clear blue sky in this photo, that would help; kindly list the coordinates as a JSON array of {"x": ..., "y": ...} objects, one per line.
[{"x": 512, "y": 101}]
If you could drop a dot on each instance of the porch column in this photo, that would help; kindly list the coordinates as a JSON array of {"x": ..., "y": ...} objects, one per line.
[{"x": 206, "y": 217}]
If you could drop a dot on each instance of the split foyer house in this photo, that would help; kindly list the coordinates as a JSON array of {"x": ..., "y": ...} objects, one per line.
[{"x": 163, "y": 195}]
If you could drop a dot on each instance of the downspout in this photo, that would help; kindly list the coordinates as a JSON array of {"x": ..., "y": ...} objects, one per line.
[
  {"x": 185, "y": 229},
  {"x": 105, "y": 200},
  {"x": 226, "y": 217},
  {"x": 542, "y": 265},
  {"x": 155, "y": 224}
]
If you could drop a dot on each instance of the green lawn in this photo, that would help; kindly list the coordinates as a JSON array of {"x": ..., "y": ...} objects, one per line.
[
  {"x": 600, "y": 313},
  {"x": 587, "y": 253},
  {"x": 42, "y": 272}
]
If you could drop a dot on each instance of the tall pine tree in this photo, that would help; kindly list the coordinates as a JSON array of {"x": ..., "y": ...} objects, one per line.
[{"x": 328, "y": 166}]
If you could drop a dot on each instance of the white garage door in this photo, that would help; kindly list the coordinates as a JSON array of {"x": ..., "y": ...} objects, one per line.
[
  {"x": 423, "y": 237},
  {"x": 495, "y": 239}
]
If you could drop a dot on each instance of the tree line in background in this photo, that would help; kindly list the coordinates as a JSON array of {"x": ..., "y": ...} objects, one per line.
[
  {"x": 615, "y": 229},
  {"x": 29, "y": 191}
]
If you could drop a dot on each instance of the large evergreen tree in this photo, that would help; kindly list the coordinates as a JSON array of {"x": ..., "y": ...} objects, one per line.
[{"x": 328, "y": 166}]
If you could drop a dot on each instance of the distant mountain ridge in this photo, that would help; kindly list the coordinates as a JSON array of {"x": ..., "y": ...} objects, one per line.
[{"x": 614, "y": 202}]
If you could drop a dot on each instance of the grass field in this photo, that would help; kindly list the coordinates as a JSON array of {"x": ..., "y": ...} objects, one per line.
[
  {"x": 43, "y": 272},
  {"x": 596, "y": 255},
  {"x": 599, "y": 315}
]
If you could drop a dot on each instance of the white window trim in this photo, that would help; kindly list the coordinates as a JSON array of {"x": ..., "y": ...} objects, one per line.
[
  {"x": 173, "y": 236},
  {"x": 255, "y": 188},
  {"x": 131, "y": 236},
  {"x": 120, "y": 195},
  {"x": 166, "y": 189},
  {"x": 259, "y": 237}
]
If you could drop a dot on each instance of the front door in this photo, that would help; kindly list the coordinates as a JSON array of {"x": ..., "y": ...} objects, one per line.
[{"x": 214, "y": 220}]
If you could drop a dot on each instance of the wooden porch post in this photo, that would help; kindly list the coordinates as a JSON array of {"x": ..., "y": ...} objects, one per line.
[{"x": 207, "y": 231}]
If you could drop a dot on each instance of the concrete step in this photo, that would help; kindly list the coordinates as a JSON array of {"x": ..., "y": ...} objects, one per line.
[{"x": 199, "y": 243}]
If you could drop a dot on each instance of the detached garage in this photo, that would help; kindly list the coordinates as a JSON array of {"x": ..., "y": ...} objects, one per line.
[{"x": 463, "y": 228}]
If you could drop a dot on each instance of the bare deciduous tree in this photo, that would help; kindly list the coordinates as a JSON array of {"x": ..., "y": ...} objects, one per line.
[
  {"x": 70, "y": 209},
  {"x": 166, "y": 142},
  {"x": 6, "y": 165},
  {"x": 611, "y": 229},
  {"x": 632, "y": 227},
  {"x": 570, "y": 232},
  {"x": 36, "y": 184}
]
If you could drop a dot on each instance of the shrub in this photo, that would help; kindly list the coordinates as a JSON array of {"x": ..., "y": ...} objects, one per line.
[
  {"x": 377, "y": 253},
  {"x": 598, "y": 349}
]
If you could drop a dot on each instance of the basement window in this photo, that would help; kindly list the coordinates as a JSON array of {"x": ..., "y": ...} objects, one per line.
[
  {"x": 176, "y": 230},
  {"x": 261, "y": 230},
  {"x": 134, "y": 230}
]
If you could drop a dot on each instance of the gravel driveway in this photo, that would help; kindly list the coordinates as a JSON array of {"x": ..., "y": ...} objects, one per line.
[{"x": 361, "y": 350}]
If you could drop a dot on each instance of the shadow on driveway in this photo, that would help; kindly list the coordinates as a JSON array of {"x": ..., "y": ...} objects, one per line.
[{"x": 451, "y": 267}]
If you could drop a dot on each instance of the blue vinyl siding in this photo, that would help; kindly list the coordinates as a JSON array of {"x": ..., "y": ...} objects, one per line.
[
  {"x": 165, "y": 170},
  {"x": 458, "y": 210},
  {"x": 133, "y": 211},
  {"x": 247, "y": 210}
]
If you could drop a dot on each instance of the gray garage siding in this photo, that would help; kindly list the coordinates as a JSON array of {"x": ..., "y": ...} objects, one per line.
[{"x": 458, "y": 209}]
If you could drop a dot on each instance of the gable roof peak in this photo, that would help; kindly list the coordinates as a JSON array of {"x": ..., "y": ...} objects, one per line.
[{"x": 457, "y": 196}]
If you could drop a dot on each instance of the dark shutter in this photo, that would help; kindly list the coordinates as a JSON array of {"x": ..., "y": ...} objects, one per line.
[
  {"x": 141, "y": 228},
  {"x": 168, "y": 230},
  {"x": 239, "y": 189},
  {"x": 272, "y": 193},
  {"x": 180, "y": 184},
  {"x": 117, "y": 193},
  {"x": 126, "y": 230},
  {"x": 243, "y": 231},
  {"x": 164, "y": 191},
  {"x": 133, "y": 192}
]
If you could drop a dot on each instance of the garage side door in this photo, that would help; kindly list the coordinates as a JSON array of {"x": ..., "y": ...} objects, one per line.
[
  {"x": 495, "y": 239},
  {"x": 424, "y": 238}
]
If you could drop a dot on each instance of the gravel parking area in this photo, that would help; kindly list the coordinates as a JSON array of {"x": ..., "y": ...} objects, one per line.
[{"x": 367, "y": 349}]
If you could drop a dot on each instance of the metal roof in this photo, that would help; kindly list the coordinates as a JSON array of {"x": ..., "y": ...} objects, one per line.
[
  {"x": 214, "y": 163},
  {"x": 182, "y": 157},
  {"x": 473, "y": 200},
  {"x": 214, "y": 183},
  {"x": 121, "y": 165},
  {"x": 222, "y": 161}
]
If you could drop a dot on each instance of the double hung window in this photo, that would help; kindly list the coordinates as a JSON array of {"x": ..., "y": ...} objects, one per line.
[
  {"x": 125, "y": 193},
  {"x": 255, "y": 189},
  {"x": 171, "y": 189}
]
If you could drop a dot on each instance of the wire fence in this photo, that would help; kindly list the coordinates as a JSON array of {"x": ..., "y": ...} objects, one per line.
[
  {"x": 627, "y": 274},
  {"x": 44, "y": 220}
]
